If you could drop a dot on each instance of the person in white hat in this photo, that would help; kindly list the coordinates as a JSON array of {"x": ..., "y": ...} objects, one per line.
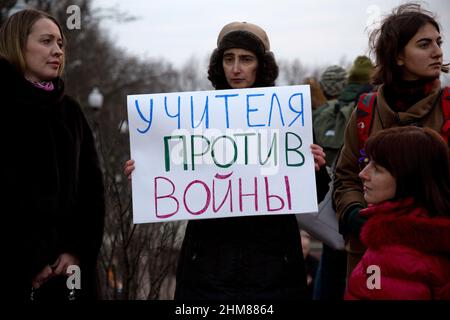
[{"x": 244, "y": 258}]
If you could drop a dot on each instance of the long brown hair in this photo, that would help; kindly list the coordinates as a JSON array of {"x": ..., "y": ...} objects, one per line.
[
  {"x": 388, "y": 41},
  {"x": 419, "y": 160},
  {"x": 14, "y": 34}
]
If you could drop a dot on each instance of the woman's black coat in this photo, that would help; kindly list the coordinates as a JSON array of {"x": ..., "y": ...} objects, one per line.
[
  {"x": 53, "y": 199},
  {"x": 244, "y": 258}
]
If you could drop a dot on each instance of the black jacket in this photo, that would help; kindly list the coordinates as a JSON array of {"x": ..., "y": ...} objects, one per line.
[
  {"x": 244, "y": 258},
  {"x": 54, "y": 201}
]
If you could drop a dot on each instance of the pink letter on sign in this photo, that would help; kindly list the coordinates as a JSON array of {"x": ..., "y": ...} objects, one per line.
[
  {"x": 162, "y": 216},
  {"x": 208, "y": 197},
  {"x": 254, "y": 195},
  {"x": 268, "y": 196}
]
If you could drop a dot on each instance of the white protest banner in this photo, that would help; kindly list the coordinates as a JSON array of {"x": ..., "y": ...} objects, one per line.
[{"x": 221, "y": 153}]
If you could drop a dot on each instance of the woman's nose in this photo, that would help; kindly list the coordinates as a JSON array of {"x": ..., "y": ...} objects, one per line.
[
  {"x": 236, "y": 67},
  {"x": 57, "y": 50},
  {"x": 363, "y": 174},
  {"x": 437, "y": 52}
]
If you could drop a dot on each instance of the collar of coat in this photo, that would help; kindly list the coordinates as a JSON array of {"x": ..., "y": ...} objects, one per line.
[
  {"x": 415, "y": 114},
  {"x": 403, "y": 223},
  {"x": 15, "y": 86}
]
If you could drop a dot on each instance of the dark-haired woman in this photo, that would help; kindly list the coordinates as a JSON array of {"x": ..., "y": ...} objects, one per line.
[
  {"x": 408, "y": 228},
  {"x": 409, "y": 61},
  {"x": 243, "y": 258}
]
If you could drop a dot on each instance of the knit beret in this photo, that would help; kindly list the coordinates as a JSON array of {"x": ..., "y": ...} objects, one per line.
[
  {"x": 333, "y": 80},
  {"x": 361, "y": 70},
  {"x": 251, "y": 28}
]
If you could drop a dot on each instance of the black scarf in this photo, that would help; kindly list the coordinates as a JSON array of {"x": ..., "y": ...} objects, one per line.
[{"x": 402, "y": 95}]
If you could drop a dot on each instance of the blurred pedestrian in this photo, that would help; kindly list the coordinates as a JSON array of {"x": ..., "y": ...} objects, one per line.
[
  {"x": 311, "y": 262},
  {"x": 317, "y": 96},
  {"x": 329, "y": 130},
  {"x": 331, "y": 118}
]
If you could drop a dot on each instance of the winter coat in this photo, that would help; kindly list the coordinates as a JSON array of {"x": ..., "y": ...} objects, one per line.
[
  {"x": 330, "y": 120},
  {"x": 348, "y": 189},
  {"x": 54, "y": 201},
  {"x": 411, "y": 250},
  {"x": 352, "y": 91},
  {"x": 244, "y": 258}
]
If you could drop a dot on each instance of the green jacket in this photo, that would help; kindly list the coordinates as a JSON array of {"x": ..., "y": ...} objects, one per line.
[{"x": 330, "y": 120}]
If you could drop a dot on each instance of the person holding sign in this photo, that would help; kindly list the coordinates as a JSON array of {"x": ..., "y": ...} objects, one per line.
[
  {"x": 409, "y": 61},
  {"x": 54, "y": 187},
  {"x": 408, "y": 228},
  {"x": 257, "y": 257}
]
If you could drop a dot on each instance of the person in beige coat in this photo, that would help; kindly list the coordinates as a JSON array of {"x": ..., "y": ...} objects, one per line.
[{"x": 409, "y": 61}]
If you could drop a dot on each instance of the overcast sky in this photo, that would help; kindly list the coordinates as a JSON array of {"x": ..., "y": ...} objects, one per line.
[{"x": 317, "y": 32}]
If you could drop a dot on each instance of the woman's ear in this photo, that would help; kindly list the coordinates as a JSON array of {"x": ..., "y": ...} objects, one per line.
[{"x": 400, "y": 59}]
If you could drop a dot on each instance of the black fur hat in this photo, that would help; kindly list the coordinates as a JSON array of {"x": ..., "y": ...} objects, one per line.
[{"x": 244, "y": 40}]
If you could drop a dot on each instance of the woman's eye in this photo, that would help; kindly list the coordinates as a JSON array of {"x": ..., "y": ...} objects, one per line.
[{"x": 374, "y": 166}]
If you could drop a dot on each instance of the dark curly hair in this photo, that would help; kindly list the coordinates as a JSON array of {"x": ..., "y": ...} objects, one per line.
[
  {"x": 265, "y": 76},
  {"x": 388, "y": 41}
]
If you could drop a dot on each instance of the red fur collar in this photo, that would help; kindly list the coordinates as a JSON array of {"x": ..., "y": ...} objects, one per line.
[{"x": 402, "y": 223}]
